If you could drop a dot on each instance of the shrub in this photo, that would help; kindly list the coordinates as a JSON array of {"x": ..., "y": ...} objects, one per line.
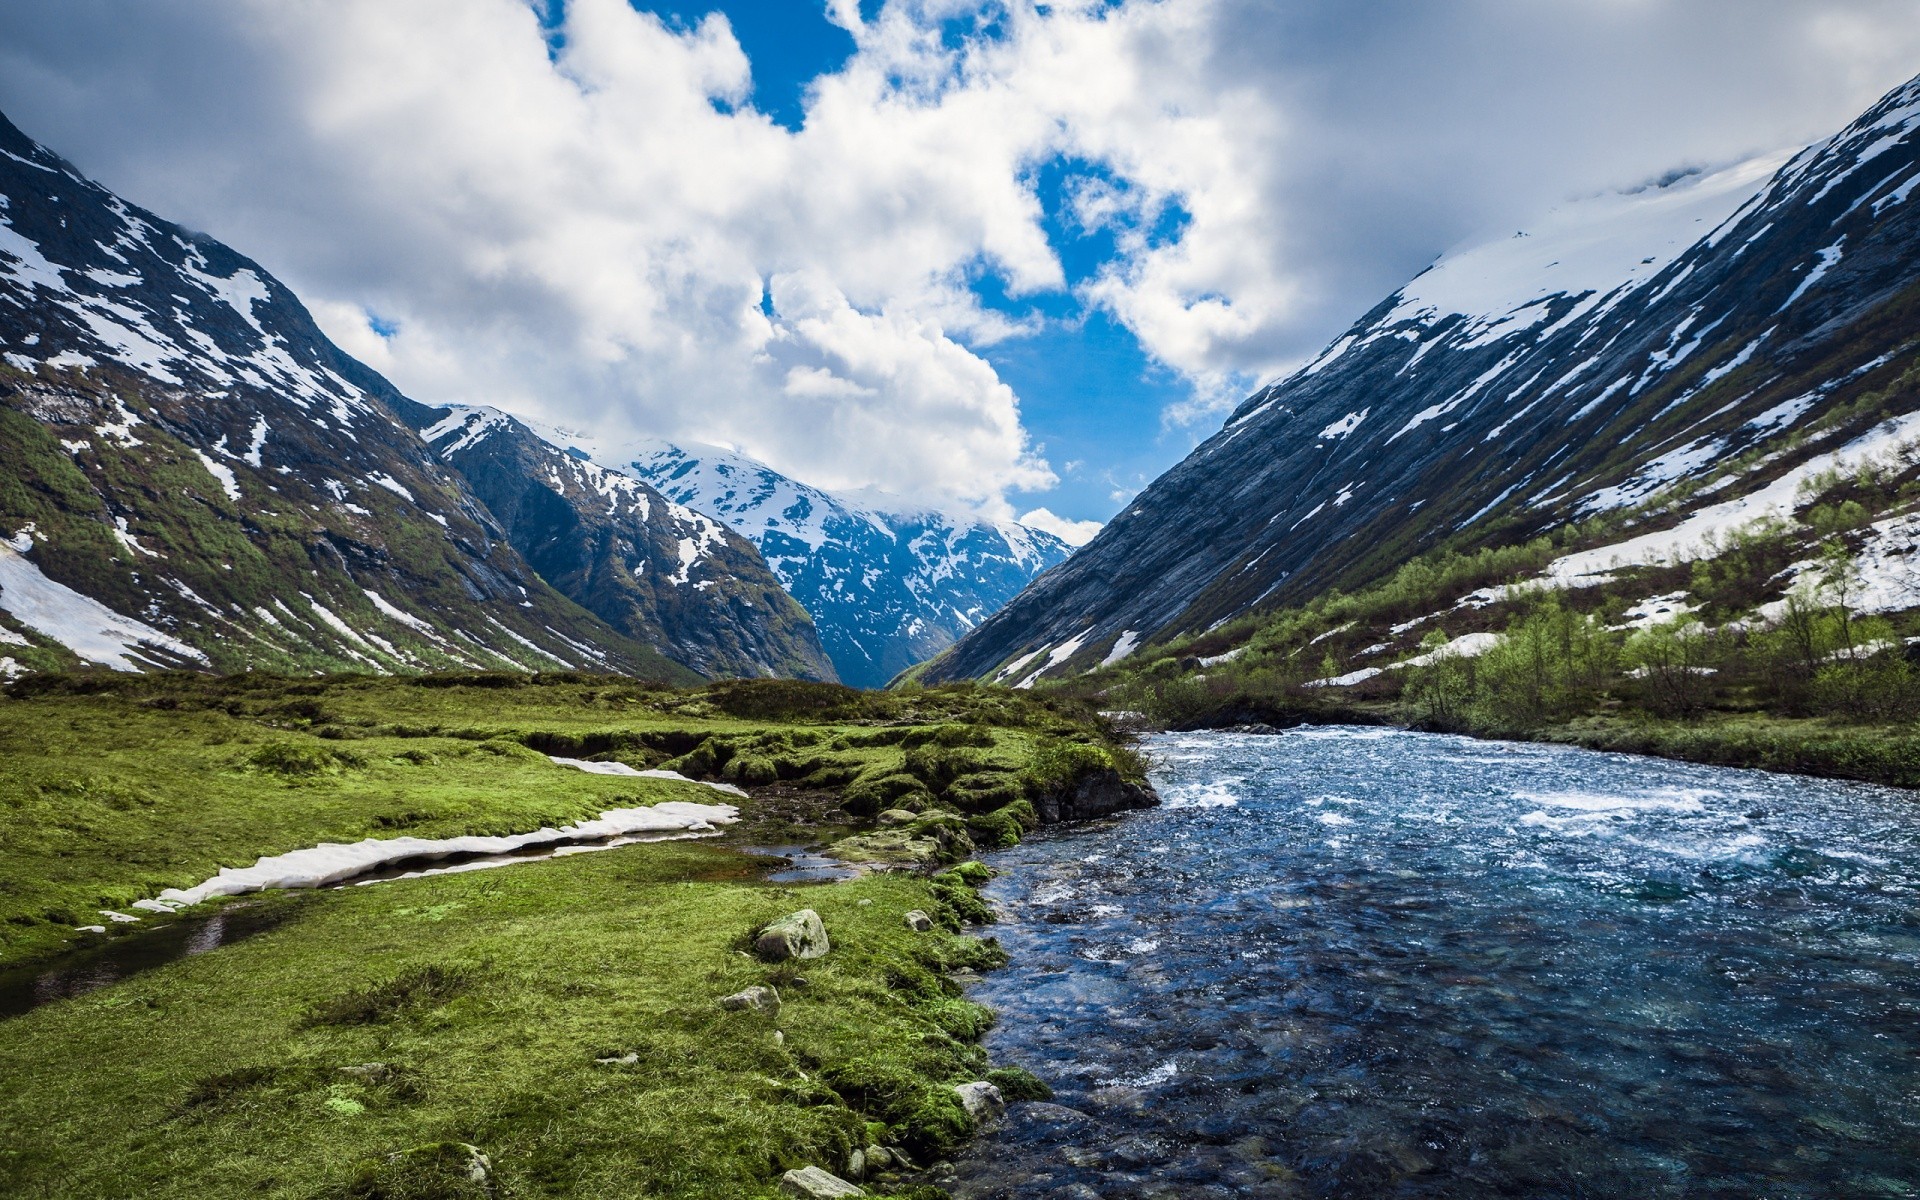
[{"x": 784, "y": 699}]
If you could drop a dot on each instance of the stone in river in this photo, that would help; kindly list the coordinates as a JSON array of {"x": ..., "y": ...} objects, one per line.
[
  {"x": 796, "y": 935},
  {"x": 981, "y": 1099}
]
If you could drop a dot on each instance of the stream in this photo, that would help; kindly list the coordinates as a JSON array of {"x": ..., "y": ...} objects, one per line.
[{"x": 1360, "y": 962}]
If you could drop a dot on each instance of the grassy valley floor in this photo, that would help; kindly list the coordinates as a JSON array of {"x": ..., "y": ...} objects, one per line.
[{"x": 560, "y": 1018}]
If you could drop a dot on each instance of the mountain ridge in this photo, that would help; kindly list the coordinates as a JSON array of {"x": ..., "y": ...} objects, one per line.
[
  {"x": 889, "y": 584},
  {"x": 200, "y": 478},
  {"x": 1419, "y": 425}
]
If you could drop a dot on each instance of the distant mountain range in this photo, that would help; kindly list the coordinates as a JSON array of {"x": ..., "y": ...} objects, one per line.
[
  {"x": 889, "y": 583},
  {"x": 1740, "y": 326},
  {"x": 197, "y": 477}
]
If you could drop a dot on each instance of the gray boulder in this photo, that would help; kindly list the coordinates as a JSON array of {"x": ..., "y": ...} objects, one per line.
[
  {"x": 918, "y": 921},
  {"x": 812, "y": 1183},
  {"x": 982, "y": 1100},
  {"x": 796, "y": 935},
  {"x": 760, "y": 999}
]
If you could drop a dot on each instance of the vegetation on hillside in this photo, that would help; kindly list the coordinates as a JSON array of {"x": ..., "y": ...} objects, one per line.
[{"x": 1756, "y": 652}]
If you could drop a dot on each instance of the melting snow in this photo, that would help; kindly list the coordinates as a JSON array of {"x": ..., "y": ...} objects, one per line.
[
  {"x": 620, "y": 768},
  {"x": 1126, "y": 644},
  {"x": 222, "y": 472},
  {"x": 331, "y": 862},
  {"x": 80, "y": 623}
]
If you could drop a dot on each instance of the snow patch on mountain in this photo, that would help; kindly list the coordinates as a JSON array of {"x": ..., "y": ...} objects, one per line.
[
  {"x": 888, "y": 582},
  {"x": 79, "y": 622}
]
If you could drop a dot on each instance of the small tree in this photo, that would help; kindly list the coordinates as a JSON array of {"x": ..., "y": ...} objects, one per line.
[
  {"x": 1675, "y": 660},
  {"x": 1441, "y": 690}
]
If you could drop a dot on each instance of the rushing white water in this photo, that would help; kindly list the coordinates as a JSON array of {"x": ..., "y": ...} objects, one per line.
[{"x": 1344, "y": 962}]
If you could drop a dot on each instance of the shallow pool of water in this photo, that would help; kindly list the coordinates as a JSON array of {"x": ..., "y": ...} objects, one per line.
[{"x": 1347, "y": 962}]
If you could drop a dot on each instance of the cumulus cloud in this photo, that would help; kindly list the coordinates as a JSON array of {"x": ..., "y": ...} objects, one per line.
[
  {"x": 1073, "y": 533},
  {"x": 593, "y": 224}
]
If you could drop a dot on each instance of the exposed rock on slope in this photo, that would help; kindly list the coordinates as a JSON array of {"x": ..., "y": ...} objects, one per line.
[
  {"x": 655, "y": 570},
  {"x": 889, "y": 585},
  {"x": 196, "y": 476},
  {"x": 1625, "y": 345}
]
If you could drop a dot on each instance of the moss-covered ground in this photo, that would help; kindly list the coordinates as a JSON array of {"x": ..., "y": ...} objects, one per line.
[
  {"x": 358, "y": 1044},
  {"x": 487, "y": 1001}
]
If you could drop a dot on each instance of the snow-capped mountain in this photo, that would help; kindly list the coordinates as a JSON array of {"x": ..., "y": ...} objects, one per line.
[
  {"x": 889, "y": 584},
  {"x": 195, "y": 476},
  {"x": 1619, "y": 347},
  {"x": 655, "y": 570}
]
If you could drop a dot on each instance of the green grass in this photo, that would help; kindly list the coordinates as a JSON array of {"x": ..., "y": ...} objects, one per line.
[
  {"x": 473, "y": 1007},
  {"x": 115, "y": 788},
  {"x": 486, "y": 999}
]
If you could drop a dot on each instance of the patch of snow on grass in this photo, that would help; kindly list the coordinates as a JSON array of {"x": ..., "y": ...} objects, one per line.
[
  {"x": 1685, "y": 541},
  {"x": 1672, "y": 465},
  {"x": 1656, "y": 609},
  {"x": 222, "y": 472},
  {"x": 620, "y": 768},
  {"x": 1059, "y": 654},
  {"x": 1783, "y": 414},
  {"x": 333, "y": 862},
  {"x": 1127, "y": 643}
]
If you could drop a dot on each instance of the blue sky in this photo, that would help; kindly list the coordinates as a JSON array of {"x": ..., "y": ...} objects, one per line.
[
  {"x": 999, "y": 255},
  {"x": 1091, "y": 398}
]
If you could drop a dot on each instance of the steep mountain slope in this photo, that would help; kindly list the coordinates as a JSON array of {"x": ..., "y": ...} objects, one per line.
[
  {"x": 196, "y": 476},
  {"x": 889, "y": 585},
  {"x": 657, "y": 571},
  {"x": 1625, "y": 347}
]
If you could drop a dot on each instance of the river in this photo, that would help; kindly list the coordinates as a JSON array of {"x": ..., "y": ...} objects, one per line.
[{"x": 1355, "y": 962}]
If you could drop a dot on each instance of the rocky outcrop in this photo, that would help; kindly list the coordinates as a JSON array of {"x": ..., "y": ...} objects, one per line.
[
  {"x": 1095, "y": 794},
  {"x": 657, "y": 571}
]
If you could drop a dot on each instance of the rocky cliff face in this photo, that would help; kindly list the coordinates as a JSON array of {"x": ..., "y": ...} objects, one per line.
[
  {"x": 1621, "y": 347},
  {"x": 656, "y": 571},
  {"x": 195, "y": 476},
  {"x": 889, "y": 584}
]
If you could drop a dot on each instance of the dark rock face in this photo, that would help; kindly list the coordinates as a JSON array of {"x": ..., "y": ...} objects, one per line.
[
  {"x": 888, "y": 587},
  {"x": 1098, "y": 794},
  {"x": 656, "y": 571},
  {"x": 1472, "y": 405}
]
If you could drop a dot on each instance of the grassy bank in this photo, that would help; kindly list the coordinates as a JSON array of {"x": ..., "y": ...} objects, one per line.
[
  {"x": 487, "y": 1001},
  {"x": 560, "y": 1018},
  {"x": 1824, "y": 747},
  {"x": 113, "y": 789}
]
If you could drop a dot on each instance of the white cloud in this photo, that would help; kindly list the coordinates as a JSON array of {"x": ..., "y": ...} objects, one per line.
[
  {"x": 1073, "y": 533},
  {"x": 610, "y": 236}
]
